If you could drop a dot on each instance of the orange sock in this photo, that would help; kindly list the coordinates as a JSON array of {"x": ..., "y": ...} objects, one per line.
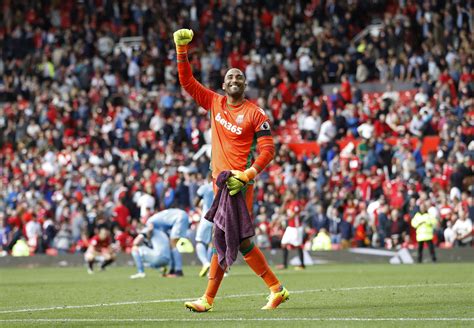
[
  {"x": 215, "y": 277},
  {"x": 257, "y": 261}
]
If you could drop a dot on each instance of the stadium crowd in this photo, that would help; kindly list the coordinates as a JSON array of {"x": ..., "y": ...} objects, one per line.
[{"x": 97, "y": 131}]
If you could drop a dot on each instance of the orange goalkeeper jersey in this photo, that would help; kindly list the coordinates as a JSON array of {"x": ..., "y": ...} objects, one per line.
[{"x": 236, "y": 130}]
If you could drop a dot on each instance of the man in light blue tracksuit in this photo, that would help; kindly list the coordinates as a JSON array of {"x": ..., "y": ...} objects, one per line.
[
  {"x": 150, "y": 247},
  {"x": 175, "y": 223},
  {"x": 205, "y": 195}
]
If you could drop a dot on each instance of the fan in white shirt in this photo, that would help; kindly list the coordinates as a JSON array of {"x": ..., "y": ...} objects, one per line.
[
  {"x": 327, "y": 131},
  {"x": 463, "y": 230},
  {"x": 146, "y": 203}
]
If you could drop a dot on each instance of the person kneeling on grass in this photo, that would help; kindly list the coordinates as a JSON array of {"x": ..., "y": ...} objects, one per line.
[
  {"x": 99, "y": 250},
  {"x": 174, "y": 222},
  {"x": 150, "y": 247}
]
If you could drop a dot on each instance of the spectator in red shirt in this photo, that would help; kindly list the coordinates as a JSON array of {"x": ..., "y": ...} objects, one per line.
[
  {"x": 121, "y": 215},
  {"x": 287, "y": 90},
  {"x": 235, "y": 59},
  {"x": 397, "y": 200},
  {"x": 294, "y": 233},
  {"x": 124, "y": 241},
  {"x": 345, "y": 91},
  {"x": 361, "y": 234}
]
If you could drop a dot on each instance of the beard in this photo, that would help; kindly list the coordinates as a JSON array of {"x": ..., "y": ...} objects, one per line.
[{"x": 234, "y": 91}]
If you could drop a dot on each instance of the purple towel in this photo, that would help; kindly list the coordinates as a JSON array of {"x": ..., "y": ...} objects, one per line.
[{"x": 232, "y": 222}]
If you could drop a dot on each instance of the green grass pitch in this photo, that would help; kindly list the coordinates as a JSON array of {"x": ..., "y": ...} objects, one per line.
[{"x": 439, "y": 295}]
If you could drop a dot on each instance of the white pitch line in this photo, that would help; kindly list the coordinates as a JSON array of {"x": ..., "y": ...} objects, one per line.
[
  {"x": 172, "y": 300},
  {"x": 229, "y": 319}
]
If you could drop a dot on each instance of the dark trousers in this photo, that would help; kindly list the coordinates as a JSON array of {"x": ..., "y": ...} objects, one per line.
[
  {"x": 420, "y": 250},
  {"x": 16, "y": 235},
  {"x": 459, "y": 243},
  {"x": 300, "y": 254}
]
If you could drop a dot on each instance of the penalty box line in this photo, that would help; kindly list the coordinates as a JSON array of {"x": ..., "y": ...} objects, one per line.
[{"x": 343, "y": 289}]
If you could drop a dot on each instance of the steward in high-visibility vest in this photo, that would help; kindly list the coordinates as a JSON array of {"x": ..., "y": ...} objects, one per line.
[
  {"x": 424, "y": 223},
  {"x": 322, "y": 242}
]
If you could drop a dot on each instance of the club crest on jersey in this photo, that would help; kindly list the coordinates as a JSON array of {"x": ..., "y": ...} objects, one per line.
[
  {"x": 240, "y": 118},
  {"x": 228, "y": 125},
  {"x": 265, "y": 126}
]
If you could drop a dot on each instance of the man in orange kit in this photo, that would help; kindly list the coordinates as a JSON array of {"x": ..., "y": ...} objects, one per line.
[{"x": 237, "y": 127}]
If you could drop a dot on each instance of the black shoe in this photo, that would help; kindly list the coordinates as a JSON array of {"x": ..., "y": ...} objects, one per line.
[{"x": 176, "y": 274}]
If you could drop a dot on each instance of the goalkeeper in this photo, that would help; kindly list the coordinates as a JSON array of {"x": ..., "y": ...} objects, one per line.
[{"x": 237, "y": 124}]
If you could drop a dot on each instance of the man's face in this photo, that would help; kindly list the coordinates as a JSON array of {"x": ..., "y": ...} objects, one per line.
[
  {"x": 422, "y": 208},
  {"x": 234, "y": 83},
  {"x": 103, "y": 234}
]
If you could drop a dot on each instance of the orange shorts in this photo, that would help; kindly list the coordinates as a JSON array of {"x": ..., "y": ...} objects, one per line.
[{"x": 248, "y": 196}]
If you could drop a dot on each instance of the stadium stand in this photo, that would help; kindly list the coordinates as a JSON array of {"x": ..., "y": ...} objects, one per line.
[{"x": 94, "y": 128}]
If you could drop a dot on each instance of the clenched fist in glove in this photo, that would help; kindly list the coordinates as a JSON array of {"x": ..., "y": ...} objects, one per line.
[{"x": 183, "y": 36}]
